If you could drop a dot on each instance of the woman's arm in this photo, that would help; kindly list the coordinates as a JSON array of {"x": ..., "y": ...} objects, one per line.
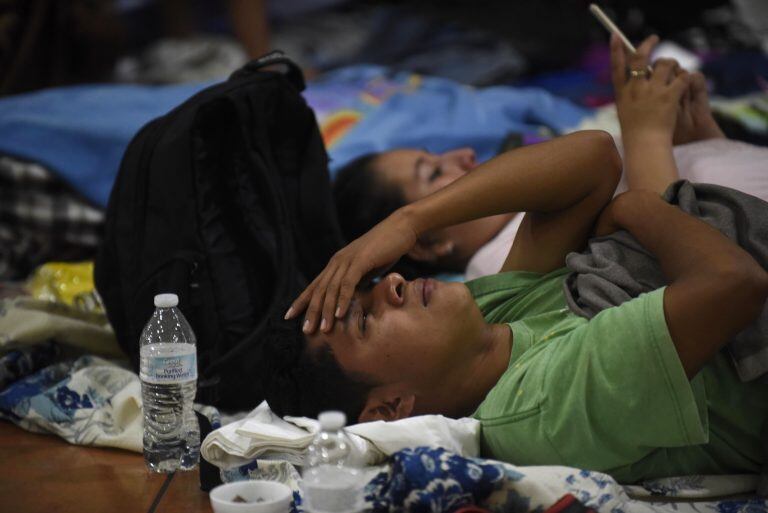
[
  {"x": 544, "y": 178},
  {"x": 563, "y": 183}
]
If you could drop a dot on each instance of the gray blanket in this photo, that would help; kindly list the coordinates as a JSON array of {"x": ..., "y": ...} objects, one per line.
[{"x": 615, "y": 268}]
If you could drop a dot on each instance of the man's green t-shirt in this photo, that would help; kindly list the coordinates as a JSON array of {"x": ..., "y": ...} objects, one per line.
[{"x": 609, "y": 393}]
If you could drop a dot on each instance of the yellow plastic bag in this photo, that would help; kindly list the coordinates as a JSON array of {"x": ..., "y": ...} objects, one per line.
[
  {"x": 64, "y": 306},
  {"x": 63, "y": 282}
]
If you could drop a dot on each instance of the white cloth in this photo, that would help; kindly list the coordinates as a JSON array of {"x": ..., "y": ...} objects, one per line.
[
  {"x": 733, "y": 164},
  {"x": 264, "y": 435},
  {"x": 489, "y": 258}
]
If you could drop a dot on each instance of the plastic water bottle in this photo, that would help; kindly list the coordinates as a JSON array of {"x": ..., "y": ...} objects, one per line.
[
  {"x": 168, "y": 372},
  {"x": 330, "y": 483}
]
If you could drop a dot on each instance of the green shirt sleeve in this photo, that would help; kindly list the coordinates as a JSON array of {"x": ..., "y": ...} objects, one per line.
[
  {"x": 506, "y": 297},
  {"x": 615, "y": 389}
]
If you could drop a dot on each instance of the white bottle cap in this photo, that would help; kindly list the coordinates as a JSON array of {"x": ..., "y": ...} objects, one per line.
[
  {"x": 166, "y": 300},
  {"x": 332, "y": 420}
]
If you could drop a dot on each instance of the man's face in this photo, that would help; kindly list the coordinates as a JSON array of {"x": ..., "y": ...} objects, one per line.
[
  {"x": 410, "y": 332},
  {"x": 418, "y": 173}
]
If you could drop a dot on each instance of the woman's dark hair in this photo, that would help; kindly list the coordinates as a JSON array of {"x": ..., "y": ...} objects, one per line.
[
  {"x": 363, "y": 200},
  {"x": 300, "y": 382}
]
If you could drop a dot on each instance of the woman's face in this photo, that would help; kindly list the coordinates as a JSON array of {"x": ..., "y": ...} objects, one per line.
[
  {"x": 405, "y": 331},
  {"x": 417, "y": 173}
]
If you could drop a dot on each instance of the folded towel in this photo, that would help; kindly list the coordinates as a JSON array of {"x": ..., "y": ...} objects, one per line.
[{"x": 264, "y": 435}]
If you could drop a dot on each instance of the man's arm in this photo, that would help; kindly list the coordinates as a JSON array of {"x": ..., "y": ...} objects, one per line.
[
  {"x": 716, "y": 288},
  {"x": 564, "y": 182},
  {"x": 562, "y": 185}
]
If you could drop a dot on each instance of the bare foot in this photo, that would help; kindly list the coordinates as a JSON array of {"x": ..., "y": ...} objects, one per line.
[
  {"x": 694, "y": 116},
  {"x": 705, "y": 125}
]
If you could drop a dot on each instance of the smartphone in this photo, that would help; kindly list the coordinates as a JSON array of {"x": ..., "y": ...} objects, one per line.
[{"x": 611, "y": 27}]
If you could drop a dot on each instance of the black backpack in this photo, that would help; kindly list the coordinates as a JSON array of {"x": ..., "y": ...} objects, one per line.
[{"x": 225, "y": 201}]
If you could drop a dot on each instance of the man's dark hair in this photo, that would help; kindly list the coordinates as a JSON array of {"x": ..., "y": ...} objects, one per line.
[
  {"x": 304, "y": 383},
  {"x": 363, "y": 200}
]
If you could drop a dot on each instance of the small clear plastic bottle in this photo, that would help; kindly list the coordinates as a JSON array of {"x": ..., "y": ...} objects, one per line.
[
  {"x": 168, "y": 372},
  {"x": 331, "y": 483}
]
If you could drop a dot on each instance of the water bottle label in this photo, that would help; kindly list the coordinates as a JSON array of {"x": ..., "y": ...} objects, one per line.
[{"x": 164, "y": 370}]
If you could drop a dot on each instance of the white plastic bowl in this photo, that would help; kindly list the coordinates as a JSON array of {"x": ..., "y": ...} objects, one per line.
[{"x": 262, "y": 497}]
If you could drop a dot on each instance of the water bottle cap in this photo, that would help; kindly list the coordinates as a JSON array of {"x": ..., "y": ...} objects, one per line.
[
  {"x": 166, "y": 300},
  {"x": 332, "y": 420}
]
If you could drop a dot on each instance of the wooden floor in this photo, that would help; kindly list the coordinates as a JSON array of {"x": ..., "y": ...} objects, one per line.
[{"x": 43, "y": 473}]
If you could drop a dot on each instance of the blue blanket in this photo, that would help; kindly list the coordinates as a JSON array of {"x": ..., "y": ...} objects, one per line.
[
  {"x": 365, "y": 109},
  {"x": 81, "y": 132}
]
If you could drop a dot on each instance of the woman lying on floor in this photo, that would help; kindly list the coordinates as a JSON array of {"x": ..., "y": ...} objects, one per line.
[
  {"x": 641, "y": 390},
  {"x": 373, "y": 186}
]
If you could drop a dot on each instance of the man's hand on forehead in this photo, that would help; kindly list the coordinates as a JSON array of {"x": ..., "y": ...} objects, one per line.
[{"x": 330, "y": 294}]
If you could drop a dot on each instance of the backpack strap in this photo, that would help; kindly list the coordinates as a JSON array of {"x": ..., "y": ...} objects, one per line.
[{"x": 276, "y": 57}]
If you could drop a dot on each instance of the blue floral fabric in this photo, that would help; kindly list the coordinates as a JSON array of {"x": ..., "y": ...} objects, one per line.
[
  {"x": 88, "y": 401},
  {"x": 426, "y": 480},
  {"x": 432, "y": 480}
]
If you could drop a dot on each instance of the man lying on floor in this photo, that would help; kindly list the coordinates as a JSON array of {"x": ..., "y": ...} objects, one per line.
[{"x": 642, "y": 390}]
